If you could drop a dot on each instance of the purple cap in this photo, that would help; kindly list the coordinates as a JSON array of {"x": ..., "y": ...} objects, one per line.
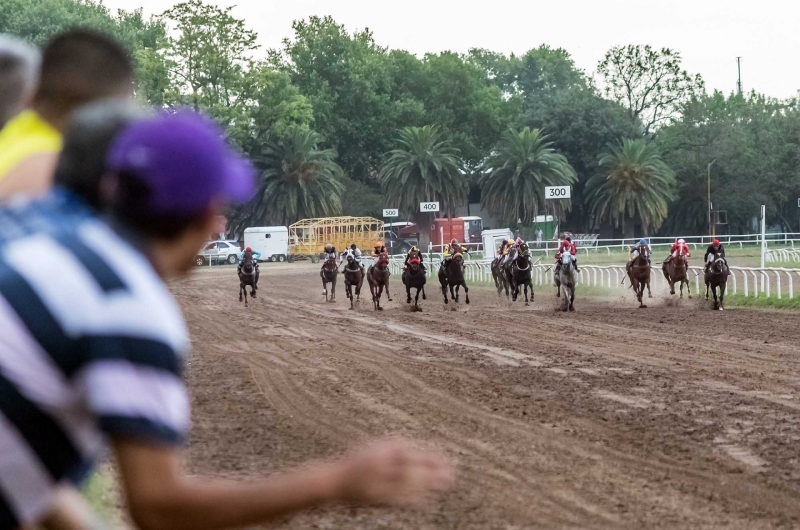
[{"x": 184, "y": 161}]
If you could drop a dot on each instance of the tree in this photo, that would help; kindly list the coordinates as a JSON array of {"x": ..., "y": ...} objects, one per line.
[
  {"x": 298, "y": 180},
  {"x": 515, "y": 175},
  {"x": 423, "y": 168},
  {"x": 649, "y": 83},
  {"x": 634, "y": 187}
]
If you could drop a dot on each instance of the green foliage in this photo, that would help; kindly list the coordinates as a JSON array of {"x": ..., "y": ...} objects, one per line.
[
  {"x": 517, "y": 171},
  {"x": 649, "y": 83},
  {"x": 298, "y": 180},
  {"x": 634, "y": 187},
  {"x": 423, "y": 168}
]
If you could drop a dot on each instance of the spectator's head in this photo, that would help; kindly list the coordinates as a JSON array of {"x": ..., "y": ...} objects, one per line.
[
  {"x": 87, "y": 139},
  {"x": 19, "y": 71},
  {"x": 169, "y": 177},
  {"x": 80, "y": 66}
]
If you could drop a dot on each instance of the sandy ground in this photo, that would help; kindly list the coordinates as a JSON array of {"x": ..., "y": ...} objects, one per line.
[{"x": 612, "y": 417}]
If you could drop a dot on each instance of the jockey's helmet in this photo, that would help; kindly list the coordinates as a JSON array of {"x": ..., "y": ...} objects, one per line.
[
  {"x": 682, "y": 241},
  {"x": 643, "y": 241},
  {"x": 569, "y": 238},
  {"x": 248, "y": 249},
  {"x": 353, "y": 246},
  {"x": 716, "y": 242},
  {"x": 519, "y": 240},
  {"x": 454, "y": 241},
  {"x": 415, "y": 249},
  {"x": 328, "y": 247}
]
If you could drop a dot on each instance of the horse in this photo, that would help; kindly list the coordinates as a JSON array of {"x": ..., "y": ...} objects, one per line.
[
  {"x": 639, "y": 274},
  {"x": 328, "y": 274},
  {"x": 499, "y": 276},
  {"x": 353, "y": 276},
  {"x": 452, "y": 275},
  {"x": 521, "y": 274},
  {"x": 248, "y": 276},
  {"x": 716, "y": 277},
  {"x": 676, "y": 271},
  {"x": 565, "y": 280},
  {"x": 378, "y": 278},
  {"x": 414, "y": 277}
]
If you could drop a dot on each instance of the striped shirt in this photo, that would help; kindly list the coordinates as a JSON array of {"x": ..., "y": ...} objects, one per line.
[{"x": 91, "y": 346}]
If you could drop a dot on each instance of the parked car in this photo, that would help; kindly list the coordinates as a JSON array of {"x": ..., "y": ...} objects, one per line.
[{"x": 219, "y": 252}]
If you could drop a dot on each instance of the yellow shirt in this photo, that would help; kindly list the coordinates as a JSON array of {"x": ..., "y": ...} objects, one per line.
[{"x": 23, "y": 136}]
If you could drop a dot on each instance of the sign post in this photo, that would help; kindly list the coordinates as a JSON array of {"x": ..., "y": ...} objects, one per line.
[
  {"x": 557, "y": 192},
  {"x": 391, "y": 212}
]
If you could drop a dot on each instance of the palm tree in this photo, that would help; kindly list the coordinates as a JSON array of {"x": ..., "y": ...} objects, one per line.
[
  {"x": 298, "y": 181},
  {"x": 423, "y": 168},
  {"x": 515, "y": 174},
  {"x": 634, "y": 185}
]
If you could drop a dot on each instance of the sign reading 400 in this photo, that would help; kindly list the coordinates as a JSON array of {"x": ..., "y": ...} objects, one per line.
[
  {"x": 428, "y": 207},
  {"x": 557, "y": 192}
]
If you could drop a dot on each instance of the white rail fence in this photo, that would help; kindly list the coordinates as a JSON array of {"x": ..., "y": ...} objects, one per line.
[
  {"x": 748, "y": 281},
  {"x": 608, "y": 246}
]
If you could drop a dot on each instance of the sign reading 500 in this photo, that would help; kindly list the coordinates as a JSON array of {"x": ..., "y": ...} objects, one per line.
[{"x": 557, "y": 192}]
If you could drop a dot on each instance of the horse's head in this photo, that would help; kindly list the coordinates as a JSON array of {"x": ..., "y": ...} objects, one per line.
[
  {"x": 330, "y": 265},
  {"x": 413, "y": 263},
  {"x": 247, "y": 266},
  {"x": 566, "y": 259},
  {"x": 352, "y": 264},
  {"x": 719, "y": 266},
  {"x": 458, "y": 258},
  {"x": 383, "y": 260}
]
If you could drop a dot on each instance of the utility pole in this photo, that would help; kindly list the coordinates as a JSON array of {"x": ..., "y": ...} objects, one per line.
[
  {"x": 710, "y": 227},
  {"x": 739, "y": 67}
]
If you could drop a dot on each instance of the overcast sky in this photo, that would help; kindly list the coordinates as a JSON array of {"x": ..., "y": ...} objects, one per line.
[{"x": 710, "y": 34}]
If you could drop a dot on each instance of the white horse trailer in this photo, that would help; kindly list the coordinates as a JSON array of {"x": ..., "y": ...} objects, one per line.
[
  {"x": 272, "y": 242},
  {"x": 492, "y": 239}
]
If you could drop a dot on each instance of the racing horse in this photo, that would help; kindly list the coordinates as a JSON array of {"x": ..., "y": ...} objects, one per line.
[
  {"x": 452, "y": 275},
  {"x": 353, "y": 276},
  {"x": 378, "y": 278},
  {"x": 565, "y": 281},
  {"x": 716, "y": 277},
  {"x": 499, "y": 276},
  {"x": 639, "y": 274},
  {"x": 414, "y": 277},
  {"x": 676, "y": 271},
  {"x": 328, "y": 273},
  {"x": 521, "y": 274},
  {"x": 248, "y": 277}
]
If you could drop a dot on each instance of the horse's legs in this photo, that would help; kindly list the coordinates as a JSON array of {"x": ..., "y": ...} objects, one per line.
[
  {"x": 444, "y": 293},
  {"x": 387, "y": 290},
  {"x": 408, "y": 293},
  {"x": 714, "y": 292},
  {"x": 572, "y": 298},
  {"x": 324, "y": 286},
  {"x": 241, "y": 288},
  {"x": 244, "y": 290},
  {"x": 649, "y": 293},
  {"x": 722, "y": 288},
  {"x": 707, "y": 287},
  {"x": 333, "y": 288},
  {"x": 424, "y": 296},
  {"x": 416, "y": 301},
  {"x": 379, "y": 288},
  {"x": 526, "y": 294},
  {"x": 454, "y": 293},
  {"x": 466, "y": 293}
]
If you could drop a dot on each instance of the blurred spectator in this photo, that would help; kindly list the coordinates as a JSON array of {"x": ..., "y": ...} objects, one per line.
[{"x": 19, "y": 71}]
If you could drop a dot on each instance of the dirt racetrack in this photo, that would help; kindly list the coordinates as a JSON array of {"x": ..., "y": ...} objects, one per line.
[{"x": 611, "y": 417}]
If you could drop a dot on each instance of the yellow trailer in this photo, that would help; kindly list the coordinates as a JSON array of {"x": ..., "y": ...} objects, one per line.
[{"x": 307, "y": 238}]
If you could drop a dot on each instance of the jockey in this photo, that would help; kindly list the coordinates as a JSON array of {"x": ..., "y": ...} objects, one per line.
[
  {"x": 419, "y": 256},
  {"x": 376, "y": 253},
  {"x": 329, "y": 253},
  {"x": 716, "y": 251},
  {"x": 502, "y": 252},
  {"x": 638, "y": 249},
  {"x": 249, "y": 253},
  {"x": 452, "y": 249},
  {"x": 567, "y": 246},
  {"x": 355, "y": 252},
  {"x": 679, "y": 247}
]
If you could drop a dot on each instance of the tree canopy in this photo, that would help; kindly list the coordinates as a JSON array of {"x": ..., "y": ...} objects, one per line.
[{"x": 342, "y": 98}]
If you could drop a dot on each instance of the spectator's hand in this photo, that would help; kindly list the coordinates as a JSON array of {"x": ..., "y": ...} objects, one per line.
[{"x": 393, "y": 472}]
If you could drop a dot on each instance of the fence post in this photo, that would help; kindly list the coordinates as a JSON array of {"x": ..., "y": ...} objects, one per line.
[
  {"x": 733, "y": 275},
  {"x": 746, "y": 290},
  {"x": 778, "y": 277},
  {"x": 755, "y": 283}
]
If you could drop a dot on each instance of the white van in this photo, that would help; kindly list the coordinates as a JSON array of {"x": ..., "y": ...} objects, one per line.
[{"x": 271, "y": 241}]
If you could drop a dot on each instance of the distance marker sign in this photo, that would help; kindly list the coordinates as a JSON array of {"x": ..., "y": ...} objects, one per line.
[
  {"x": 390, "y": 212},
  {"x": 427, "y": 207},
  {"x": 557, "y": 192}
]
